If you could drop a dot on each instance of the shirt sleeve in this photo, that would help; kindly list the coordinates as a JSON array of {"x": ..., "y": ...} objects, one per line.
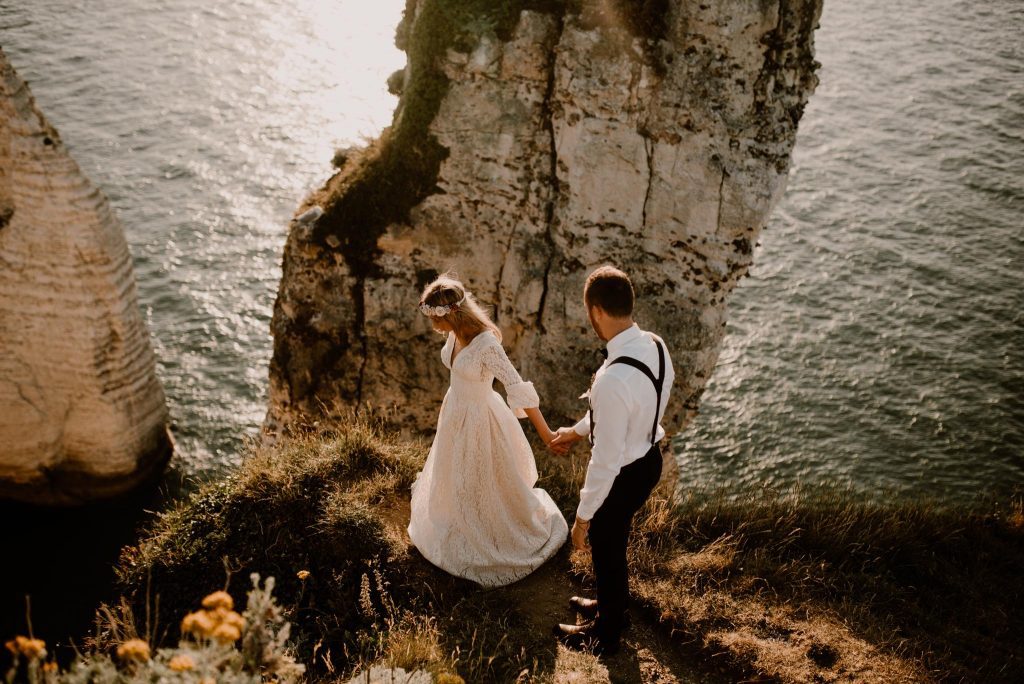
[
  {"x": 611, "y": 411},
  {"x": 520, "y": 394},
  {"x": 582, "y": 427}
]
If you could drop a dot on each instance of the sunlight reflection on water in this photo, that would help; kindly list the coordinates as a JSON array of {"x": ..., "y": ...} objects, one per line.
[{"x": 206, "y": 125}]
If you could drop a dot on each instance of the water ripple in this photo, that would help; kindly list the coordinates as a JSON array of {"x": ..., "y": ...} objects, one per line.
[
  {"x": 877, "y": 343},
  {"x": 205, "y": 125}
]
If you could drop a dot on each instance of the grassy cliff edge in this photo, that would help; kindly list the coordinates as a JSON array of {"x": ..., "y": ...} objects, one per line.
[{"x": 812, "y": 586}]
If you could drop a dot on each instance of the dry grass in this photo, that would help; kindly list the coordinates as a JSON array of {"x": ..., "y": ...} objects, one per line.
[
  {"x": 818, "y": 586},
  {"x": 310, "y": 504},
  {"x": 334, "y": 503},
  {"x": 823, "y": 586}
]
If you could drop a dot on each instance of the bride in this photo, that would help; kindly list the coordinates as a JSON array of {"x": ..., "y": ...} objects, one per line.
[{"x": 475, "y": 511}]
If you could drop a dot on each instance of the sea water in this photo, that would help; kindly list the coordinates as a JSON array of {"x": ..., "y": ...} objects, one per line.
[{"x": 877, "y": 343}]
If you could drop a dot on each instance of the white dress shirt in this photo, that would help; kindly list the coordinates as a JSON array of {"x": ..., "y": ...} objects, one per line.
[{"x": 623, "y": 400}]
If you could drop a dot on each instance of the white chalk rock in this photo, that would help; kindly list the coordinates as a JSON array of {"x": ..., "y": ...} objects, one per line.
[
  {"x": 82, "y": 414},
  {"x": 569, "y": 142}
]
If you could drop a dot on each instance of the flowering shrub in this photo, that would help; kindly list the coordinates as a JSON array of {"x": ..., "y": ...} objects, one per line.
[{"x": 206, "y": 654}]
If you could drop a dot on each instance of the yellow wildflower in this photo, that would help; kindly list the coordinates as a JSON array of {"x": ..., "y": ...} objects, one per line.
[
  {"x": 227, "y": 634},
  {"x": 181, "y": 663},
  {"x": 50, "y": 667},
  {"x": 30, "y": 648},
  {"x": 133, "y": 649},
  {"x": 219, "y": 599},
  {"x": 198, "y": 623},
  {"x": 222, "y": 615},
  {"x": 302, "y": 575},
  {"x": 11, "y": 646},
  {"x": 188, "y": 623}
]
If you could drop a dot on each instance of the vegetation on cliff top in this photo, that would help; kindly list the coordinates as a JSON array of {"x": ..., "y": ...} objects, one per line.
[
  {"x": 218, "y": 644},
  {"x": 824, "y": 586},
  {"x": 818, "y": 586}
]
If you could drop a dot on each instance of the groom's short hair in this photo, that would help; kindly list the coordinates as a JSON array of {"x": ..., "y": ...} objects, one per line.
[{"x": 610, "y": 289}]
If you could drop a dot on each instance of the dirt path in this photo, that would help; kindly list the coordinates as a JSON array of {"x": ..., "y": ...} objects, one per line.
[{"x": 541, "y": 599}]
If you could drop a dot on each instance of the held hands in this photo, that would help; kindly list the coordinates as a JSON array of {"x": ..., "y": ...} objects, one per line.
[{"x": 564, "y": 438}]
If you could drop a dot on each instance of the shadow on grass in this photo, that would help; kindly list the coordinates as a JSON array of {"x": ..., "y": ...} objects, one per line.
[
  {"x": 62, "y": 560},
  {"x": 822, "y": 583}
]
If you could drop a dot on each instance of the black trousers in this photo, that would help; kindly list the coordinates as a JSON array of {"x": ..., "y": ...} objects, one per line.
[{"x": 609, "y": 534}]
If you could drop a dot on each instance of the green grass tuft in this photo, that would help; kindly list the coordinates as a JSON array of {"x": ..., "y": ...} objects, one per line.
[{"x": 308, "y": 504}]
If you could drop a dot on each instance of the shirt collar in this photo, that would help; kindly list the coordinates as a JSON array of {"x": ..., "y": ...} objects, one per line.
[{"x": 617, "y": 343}]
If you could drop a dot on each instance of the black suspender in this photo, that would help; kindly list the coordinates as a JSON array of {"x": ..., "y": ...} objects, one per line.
[{"x": 658, "y": 381}]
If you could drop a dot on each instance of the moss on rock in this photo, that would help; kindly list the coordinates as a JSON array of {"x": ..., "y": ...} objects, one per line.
[{"x": 400, "y": 169}]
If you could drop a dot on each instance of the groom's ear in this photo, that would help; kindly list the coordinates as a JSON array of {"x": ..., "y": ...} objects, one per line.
[{"x": 596, "y": 312}]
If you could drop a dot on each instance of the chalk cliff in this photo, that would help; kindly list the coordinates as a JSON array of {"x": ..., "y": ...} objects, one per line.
[
  {"x": 82, "y": 414},
  {"x": 530, "y": 145}
]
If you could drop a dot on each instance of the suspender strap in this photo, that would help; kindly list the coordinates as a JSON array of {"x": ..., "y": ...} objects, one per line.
[
  {"x": 590, "y": 412},
  {"x": 658, "y": 382}
]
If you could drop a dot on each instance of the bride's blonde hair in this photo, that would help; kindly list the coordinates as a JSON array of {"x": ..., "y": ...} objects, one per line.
[{"x": 468, "y": 319}]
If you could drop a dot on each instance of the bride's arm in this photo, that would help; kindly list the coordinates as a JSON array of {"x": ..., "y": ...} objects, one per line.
[
  {"x": 541, "y": 425},
  {"x": 522, "y": 397}
]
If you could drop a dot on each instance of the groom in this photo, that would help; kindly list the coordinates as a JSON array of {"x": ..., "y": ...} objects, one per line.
[{"x": 628, "y": 396}]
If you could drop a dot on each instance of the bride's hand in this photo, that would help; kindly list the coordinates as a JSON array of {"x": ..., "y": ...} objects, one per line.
[{"x": 565, "y": 437}]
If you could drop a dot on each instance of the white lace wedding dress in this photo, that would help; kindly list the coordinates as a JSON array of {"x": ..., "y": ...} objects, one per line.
[{"x": 475, "y": 511}]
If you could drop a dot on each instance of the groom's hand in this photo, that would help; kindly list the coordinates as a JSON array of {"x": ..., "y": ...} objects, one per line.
[{"x": 565, "y": 437}]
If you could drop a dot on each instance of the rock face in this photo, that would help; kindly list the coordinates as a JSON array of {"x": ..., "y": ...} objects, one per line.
[
  {"x": 82, "y": 415},
  {"x": 526, "y": 150}
]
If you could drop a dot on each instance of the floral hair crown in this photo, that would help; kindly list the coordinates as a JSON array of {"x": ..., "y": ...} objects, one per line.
[{"x": 428, "y": 310}]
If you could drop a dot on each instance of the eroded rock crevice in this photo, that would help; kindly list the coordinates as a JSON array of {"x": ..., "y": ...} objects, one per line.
[{"x": 553, "y": 187}]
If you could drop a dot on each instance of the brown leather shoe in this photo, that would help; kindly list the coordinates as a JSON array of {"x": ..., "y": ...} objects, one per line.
[
  {"x": 588, "y": 608},
  {"x": 563, "y": 629},
  {"x": 584, "y": 606}
]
